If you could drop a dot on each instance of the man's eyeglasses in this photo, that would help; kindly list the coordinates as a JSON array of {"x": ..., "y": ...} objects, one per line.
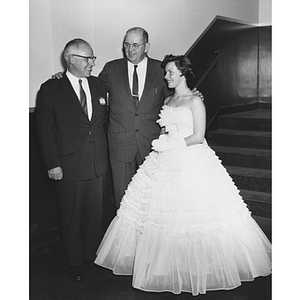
[
  {"x": 88, "y": 59},
  {"x": 135, "y": 46}
]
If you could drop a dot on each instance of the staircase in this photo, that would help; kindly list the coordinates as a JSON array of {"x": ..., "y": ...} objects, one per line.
[{"x": 243, "y": 143}]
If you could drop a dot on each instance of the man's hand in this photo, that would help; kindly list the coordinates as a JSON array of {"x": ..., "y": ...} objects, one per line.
[
  {"x": 55, "y": 173},
  {"x": 58, "y": 75},
  {"x": 197, "y": 93}
]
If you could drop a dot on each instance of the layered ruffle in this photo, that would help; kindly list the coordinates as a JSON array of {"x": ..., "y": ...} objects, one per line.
[{"x": 182, "y": 226}]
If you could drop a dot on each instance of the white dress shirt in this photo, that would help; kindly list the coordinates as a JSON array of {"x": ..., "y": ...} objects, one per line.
[
  {"x": 141, "y": 72},
  {"x": 85, "y": 85}
]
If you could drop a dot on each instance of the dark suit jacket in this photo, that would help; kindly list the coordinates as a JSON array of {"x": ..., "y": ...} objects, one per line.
[
  {"x": 68, "y": 138},
  {"x": 130, "y": 127}
]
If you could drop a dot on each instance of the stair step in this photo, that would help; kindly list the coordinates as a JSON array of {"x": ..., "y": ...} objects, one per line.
[
  {"x": 240, "y": 138},
  {"x": 259, "y": 203},
  {"x": 258, "y": 120},
  {"x": 263, "y": 114},
  {"x": 244, "y": 157},
  {"x": 243, "y": 143},
  {"x": 256, "y": 196},
  {"x": 251, "y": 179}
]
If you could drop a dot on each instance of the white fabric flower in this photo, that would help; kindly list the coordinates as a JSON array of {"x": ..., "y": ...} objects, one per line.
[{"x": 102, "y": 101}]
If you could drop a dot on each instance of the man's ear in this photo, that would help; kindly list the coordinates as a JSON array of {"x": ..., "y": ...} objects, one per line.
[
  {"x": 71, "y": 59},
  {"x": 147, "y": 47}
]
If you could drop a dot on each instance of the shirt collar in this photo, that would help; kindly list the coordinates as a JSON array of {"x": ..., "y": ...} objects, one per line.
[
  {"x": 141, "y": 64},
  {"x": 74, "y": 79}
]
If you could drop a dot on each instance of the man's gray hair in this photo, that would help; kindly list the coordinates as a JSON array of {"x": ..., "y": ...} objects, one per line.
[{"x": 72, "y": 45}]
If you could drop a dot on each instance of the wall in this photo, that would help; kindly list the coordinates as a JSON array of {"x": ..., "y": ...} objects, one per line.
[
  {"x": 173, "y": 26},
  {"x": 265, "y": 12},
  {"x": 265, "y": 64},
  {"x": 242, "y": 74}
]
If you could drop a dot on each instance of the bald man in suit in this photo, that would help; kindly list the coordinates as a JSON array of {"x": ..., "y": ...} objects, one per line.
[
  {"x": 132, "y": 118},
  {"x": 71, "y": 123}
]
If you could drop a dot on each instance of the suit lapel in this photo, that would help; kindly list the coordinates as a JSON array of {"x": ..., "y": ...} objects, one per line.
[
  {"x": 66, "y": 84},
  {"x": 125, "y": 79},
  {"x": 149, "y": 78},
  {"x": 93, "y": 99},
  {"x": 99, "y": 109}
]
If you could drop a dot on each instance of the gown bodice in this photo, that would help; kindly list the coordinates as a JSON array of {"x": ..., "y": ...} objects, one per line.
[{"x": 178, "y": 121}]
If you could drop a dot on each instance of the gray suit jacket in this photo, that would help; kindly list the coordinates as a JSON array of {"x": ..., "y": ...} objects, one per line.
[{"x": 132, "y": 128}]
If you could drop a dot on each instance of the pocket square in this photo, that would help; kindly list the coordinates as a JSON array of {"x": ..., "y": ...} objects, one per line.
[{"x": 102, "y": 101}]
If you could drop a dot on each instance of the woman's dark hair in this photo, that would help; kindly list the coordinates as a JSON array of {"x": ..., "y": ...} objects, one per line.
[{"x": 182, "y": 63}]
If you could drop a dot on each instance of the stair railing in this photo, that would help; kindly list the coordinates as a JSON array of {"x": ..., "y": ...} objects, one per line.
[{"x": 211, "y": 66}]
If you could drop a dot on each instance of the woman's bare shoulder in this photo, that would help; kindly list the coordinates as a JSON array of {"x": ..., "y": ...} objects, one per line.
[{"x": 197, "y": 102}]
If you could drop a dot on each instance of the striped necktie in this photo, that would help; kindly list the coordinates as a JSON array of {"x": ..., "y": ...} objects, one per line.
[
  {"x": 135, "y": 85},
  {"x": 82, "y": 97}
]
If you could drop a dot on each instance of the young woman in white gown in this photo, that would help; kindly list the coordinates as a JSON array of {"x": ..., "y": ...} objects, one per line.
[{"x": 182, "y": 225}]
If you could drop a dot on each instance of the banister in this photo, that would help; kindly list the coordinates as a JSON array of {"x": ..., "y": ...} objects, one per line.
[{"x": 212, "y": 66}]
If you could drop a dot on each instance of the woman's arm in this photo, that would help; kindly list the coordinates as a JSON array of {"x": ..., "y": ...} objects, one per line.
[{"x": 199, "y": 122}]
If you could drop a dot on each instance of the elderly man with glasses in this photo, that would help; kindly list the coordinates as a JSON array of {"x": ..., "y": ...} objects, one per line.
[
  {"x": 71, "y": 122},
  {"x": 136, "y": 92}
]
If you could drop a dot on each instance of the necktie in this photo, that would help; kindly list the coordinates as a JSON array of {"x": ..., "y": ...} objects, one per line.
[
  {"x": 82, "y": 97},
  {"x": 135, "y": 86}
]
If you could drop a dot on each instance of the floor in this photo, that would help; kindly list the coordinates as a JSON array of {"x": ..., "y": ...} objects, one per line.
[{"x": 49, "y": 280}]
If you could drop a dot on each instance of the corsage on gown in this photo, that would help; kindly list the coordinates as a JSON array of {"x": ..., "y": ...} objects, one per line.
[{"x": 182, "y": 225}]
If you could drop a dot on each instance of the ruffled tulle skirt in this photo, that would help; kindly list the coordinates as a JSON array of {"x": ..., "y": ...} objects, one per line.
[{"x": 182, "y": 226}]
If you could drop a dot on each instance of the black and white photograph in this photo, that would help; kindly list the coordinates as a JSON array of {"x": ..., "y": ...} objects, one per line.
[{"x": 150, "y": 156}]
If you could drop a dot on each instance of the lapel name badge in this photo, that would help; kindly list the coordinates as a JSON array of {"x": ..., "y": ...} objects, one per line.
[{"x": 102, "y": 101}]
